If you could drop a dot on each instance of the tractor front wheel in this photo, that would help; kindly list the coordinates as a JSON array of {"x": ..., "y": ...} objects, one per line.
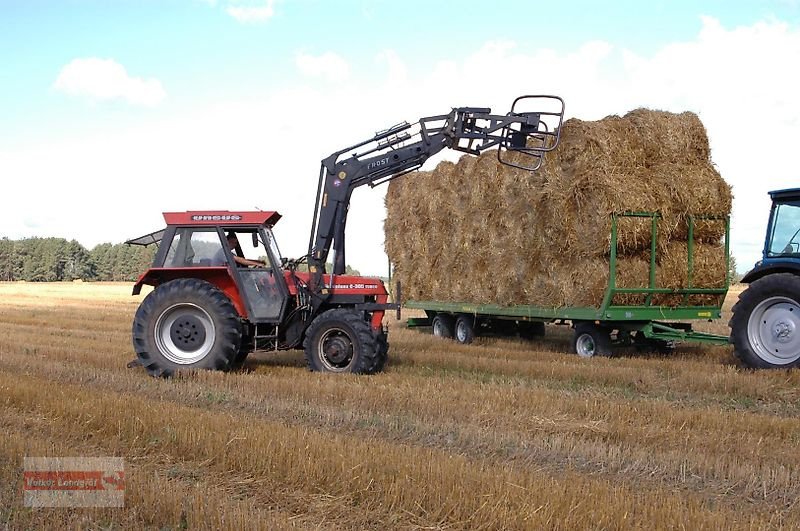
[
  {"x": 186, "y": 324},
  {"x": 340, "y": 340},
  {"x": 382, "y": 341},
  {"x": 765, "y": 326}
]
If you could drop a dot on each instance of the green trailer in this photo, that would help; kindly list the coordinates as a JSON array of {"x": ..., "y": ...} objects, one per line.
[{"x": 599, "y": 328}]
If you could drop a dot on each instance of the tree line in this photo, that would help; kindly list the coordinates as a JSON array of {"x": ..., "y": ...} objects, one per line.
[{"x": 55, "y": 259}]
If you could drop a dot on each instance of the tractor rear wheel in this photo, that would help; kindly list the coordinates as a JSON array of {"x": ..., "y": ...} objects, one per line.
[
  {"x": 186, "y": 324},
  {"x": 765, "y": 326},
  {"x": 341, "y": 340},
  {"x": 591, "y": 340}
]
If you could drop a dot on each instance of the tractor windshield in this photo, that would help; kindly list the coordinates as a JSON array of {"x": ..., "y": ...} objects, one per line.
[
  {"x": 784, "y": 238},
  {"x": 273, "y": 247}
]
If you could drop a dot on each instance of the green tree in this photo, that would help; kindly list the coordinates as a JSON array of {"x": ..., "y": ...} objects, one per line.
[{"x": 9, "y": 259}]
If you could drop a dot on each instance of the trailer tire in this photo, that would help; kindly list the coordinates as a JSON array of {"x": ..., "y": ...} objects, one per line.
[
  {"x": 591, "y": 340},
  {"x": 464, "y": 331},
  {"x": 443, "y": 325},
  {"x": 340, "y": 340},
  {"x": 186, "y": 324},
  {"x": 765, "y": 326}
]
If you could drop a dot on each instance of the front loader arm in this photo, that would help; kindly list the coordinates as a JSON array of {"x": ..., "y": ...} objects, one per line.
[{"x": 395, "y": 152}]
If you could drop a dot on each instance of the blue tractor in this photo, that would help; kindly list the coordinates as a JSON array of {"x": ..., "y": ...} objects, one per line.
[{"x": 765, "y": 326}]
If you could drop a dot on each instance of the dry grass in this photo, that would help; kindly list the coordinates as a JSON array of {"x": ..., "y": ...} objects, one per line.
[{"x": 504, "y": 434}]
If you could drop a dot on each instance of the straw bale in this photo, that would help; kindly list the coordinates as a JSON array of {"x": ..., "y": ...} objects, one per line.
[{"x": 479, "y": 231}]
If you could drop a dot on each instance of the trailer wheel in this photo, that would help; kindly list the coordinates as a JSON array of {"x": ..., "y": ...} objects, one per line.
[
  {"x": 464, "y": 329},
  {"x": 591, "y": 340},
  {"x": 443, "y": 326},
  {"x": 765, "y": 326},
  {"x": 186, "y": 324},
  {"x": 340, "y": 340}
]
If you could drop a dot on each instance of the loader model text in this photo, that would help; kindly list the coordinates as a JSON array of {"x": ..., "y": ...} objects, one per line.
[{"x": 378, "y": 163}]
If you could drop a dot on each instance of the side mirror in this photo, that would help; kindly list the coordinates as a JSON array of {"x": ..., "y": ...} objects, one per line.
[{"x": 255, "y": 239}]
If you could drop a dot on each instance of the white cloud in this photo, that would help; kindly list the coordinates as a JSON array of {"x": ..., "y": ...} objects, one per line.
[
  {"x": 251, "y": 12},
  {"x": 104, "y": 80},
  {"x": 396, "y": 69},
  {"x": 329, "y": 66}
]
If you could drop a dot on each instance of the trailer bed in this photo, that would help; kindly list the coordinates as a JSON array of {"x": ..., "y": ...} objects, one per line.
[{"x": 596, "y": 328}]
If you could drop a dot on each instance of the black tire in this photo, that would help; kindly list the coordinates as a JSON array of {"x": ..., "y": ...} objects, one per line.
[
  {"x": 591, "y": 340},
  {"x": 464, "y": 330},
  {"x": 530, "y": 329},
  {"x": 186, "y": 324},
  {"x": 443, "y": 325},
  {"x": 341, "y": 340},
  {"x": 245, "y": 349},
  {"x": 765, "y": 325},
  {"x": 382, "y": 341}
]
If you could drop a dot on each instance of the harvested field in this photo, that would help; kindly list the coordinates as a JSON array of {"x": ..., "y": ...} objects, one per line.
[
  {"x": 481, "y": 232},
  {"x": 503, "y": 434}
]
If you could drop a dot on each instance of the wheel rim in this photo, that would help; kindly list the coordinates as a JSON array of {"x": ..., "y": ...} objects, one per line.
[
  {"x": 335, "y": 349},
  {"x": 184, "y": 333},
  {"x": 773, "y": 330},
  {"x": 461, "y": 331},
  {"x": 584, "y": 346},
  {"x": 438, "y": 327}
]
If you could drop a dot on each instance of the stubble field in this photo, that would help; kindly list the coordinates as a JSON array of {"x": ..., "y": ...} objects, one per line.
[{"x": 504, "y": 434}]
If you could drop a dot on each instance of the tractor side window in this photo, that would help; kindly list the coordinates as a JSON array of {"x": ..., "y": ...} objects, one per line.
[
  {"x": 195, "y": 248},
  {"x": 785, "y": 230},
  {"x": 246, "y": 249}
]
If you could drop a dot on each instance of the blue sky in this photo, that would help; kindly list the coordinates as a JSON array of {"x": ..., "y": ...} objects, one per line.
[{"x": 111, "y": 106}]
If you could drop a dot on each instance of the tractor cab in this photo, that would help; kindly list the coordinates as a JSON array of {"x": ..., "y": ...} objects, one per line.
[
  {"x": 782, "y": 243},
  {"x": 235, "y": 251},
  {"x": 783, "y": 231}
]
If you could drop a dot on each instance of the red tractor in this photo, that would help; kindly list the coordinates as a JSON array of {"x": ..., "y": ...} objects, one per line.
[{"x": 222, "y": 288}]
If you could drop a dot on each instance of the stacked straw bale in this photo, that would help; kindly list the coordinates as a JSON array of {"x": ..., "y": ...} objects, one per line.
[{"x": 481, "y": 232}]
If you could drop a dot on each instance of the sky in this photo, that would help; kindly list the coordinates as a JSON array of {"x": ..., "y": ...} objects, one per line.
[{"x": 112, "y": 112}]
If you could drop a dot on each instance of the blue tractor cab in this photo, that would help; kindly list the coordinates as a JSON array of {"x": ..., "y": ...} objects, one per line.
[
  {"x": 782, "y": 244},
  {"x": 765, "y": 326}
]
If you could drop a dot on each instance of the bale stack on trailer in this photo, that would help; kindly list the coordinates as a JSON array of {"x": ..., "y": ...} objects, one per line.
[{"x": 481, "y": 232}]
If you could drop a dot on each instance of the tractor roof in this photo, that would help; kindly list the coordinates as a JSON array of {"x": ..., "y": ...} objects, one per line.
[
  {"x": 222, "y": 217},
  {"x": 786, "y": 193}
]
